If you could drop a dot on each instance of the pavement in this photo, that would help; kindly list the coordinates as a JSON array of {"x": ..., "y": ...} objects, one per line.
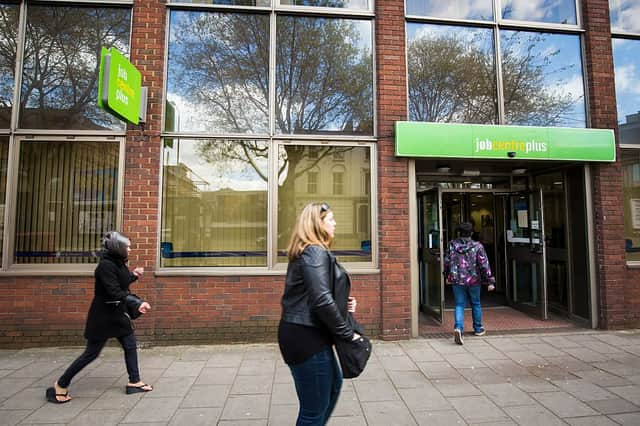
[{"x": 580, "y": 377}]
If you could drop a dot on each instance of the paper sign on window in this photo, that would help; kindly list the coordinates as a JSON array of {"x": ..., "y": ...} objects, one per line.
[{"x": 635, "y": 212}]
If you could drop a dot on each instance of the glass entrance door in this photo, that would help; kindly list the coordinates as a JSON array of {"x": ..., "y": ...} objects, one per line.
[
  {"x": 525, "y": 252},
  {"x": 430, "y": 253}
]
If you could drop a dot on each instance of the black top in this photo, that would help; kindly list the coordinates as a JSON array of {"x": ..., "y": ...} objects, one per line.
[
  {"x": 299, "y": 342},
  {"x": 107, "y": 320}
]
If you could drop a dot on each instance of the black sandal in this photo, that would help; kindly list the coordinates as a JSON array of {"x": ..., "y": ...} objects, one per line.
[
  {"x": 52, "y": 396},
  {"x": 138, "y": 389}
]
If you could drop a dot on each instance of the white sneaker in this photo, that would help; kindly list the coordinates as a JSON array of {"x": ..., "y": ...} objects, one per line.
[
  {"x": 482, "y": 332},
  {"x": 457, "y": 336}
]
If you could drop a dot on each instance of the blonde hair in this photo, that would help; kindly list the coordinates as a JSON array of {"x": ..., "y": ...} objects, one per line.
[{"x": 309, "y": 230}]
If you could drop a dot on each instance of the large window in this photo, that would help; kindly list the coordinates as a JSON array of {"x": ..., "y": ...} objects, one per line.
[
  {"x": 631, "y": 182},
  {"x": 60, "y": 65},
  {"x": 214, "y": 203},
  {"x": 625, "y": 30},
  {"x": 452, "y": 71},
  {"x": 66, "y": 200},
  {"x": 341, "y": 190},
  {"x": 64, "y": 187},
  {"x": 268, "y": 108}
]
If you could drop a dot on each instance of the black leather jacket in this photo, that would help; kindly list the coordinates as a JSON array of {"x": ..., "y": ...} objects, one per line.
[{"x": 316, "y": 292}]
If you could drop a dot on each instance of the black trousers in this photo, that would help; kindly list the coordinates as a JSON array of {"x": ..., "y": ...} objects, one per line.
[{"x": 92, "y": 351}]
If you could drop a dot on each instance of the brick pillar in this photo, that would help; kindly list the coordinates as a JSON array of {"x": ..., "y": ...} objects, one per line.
[
  {"x": 142, "y": 162},
  {"x": 393, "y": 172},
  {"x": 607, "y": 177}
]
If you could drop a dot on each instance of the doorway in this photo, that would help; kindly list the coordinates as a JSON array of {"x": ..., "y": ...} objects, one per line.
[{"x": 537, "y": 250}]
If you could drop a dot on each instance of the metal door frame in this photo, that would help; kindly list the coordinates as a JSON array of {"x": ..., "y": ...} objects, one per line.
[{"x": 438, "y": 196}]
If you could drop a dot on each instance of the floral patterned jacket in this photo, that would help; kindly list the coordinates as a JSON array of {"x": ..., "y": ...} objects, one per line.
[{"x": 466, "y": 263}]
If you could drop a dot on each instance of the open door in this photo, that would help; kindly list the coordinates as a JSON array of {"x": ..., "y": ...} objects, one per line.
[
  {"x": 525, "y": 252},
  {"x": 430, "y": 253}
]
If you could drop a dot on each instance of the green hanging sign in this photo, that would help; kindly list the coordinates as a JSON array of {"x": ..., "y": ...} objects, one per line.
[
  {"x": 445, "y": 140},
  {"x": 119, "y": 87}
]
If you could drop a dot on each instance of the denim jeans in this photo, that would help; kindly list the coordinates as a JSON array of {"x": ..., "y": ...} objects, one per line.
[
  {"x": 92, "y": 351},
  {"x": 318, "y": 381},
  {"x": 460, "y": 294}
]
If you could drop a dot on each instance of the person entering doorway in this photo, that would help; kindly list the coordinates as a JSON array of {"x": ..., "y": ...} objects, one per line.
[{"x": 466, "y": 268}]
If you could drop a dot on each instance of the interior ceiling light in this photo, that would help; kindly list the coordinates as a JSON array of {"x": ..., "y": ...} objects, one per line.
[
  {"x": 558, "y": 182},
  {"x": 519, "y": 171},
  {"x": 471, "y": 172},
  {"x": 443, "y": 169}
]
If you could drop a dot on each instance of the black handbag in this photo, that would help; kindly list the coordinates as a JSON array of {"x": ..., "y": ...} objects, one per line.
[
  {"x": 354, "y": 354},
  {"x": 132, "y": 305}
]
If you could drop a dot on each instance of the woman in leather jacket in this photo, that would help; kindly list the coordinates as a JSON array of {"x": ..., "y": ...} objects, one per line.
[
  {"x": 108, "y": 317},
  {"x": 314, "y": 314}
]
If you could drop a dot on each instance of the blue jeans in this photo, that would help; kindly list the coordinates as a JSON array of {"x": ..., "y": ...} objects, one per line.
[
  {"x": 460, "y": 294},
  {"x": 318, "y": 381}
]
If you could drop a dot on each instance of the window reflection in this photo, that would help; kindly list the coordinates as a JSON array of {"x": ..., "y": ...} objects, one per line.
[
  {"x": 626, "y": 62},
  {"x": 342, "y": 4},
  {"x": 214, "y": 203},
  {"x": 218, "y": 73},
  {"x": 8, "y": 42},
  {"x": 452, "y": 9},
  {"x": 549, "y": 11},
  {"x": 631, "y": 188},
  {"x": 324, "y": 76},
  {"x": 336, "y": 185},
  {"x": 543, "y": 79},
  {"x": 67, "y": 199},
  {"x": 624, "y": 15},
  {"x": 61, "y": 61},
  {"x": 451, "y": 74}
]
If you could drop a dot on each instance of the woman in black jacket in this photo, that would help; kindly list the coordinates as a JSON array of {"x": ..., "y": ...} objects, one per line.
[
  {"x": 314, "y": 313},
  {"x": 108, "y": 317}
]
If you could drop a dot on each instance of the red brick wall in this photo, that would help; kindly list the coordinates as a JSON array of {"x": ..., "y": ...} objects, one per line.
[
  {"x": 186, "y": 309},
  {"x": 393, "y": 172},
  {"x": 617, "y": 286}
]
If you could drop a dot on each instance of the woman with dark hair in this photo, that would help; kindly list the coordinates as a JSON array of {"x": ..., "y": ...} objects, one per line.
[
  {"x": 315, "y": 305},
  {"x": 108, "y": 317}
]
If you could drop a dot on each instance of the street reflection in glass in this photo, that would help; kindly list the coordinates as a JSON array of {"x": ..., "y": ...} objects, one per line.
[{"x": 214, "y": 203}]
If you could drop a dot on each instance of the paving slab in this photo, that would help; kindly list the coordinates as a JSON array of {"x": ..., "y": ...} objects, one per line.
[{"x": 581, "y": 377}]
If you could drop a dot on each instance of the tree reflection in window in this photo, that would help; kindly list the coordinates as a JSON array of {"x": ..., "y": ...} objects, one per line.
[
  {"x": 8, "y": 43},
  {"x": 451, "y": 74},
  {"x": 61, "y": 63},
  {"x": 219, "y": 74}
]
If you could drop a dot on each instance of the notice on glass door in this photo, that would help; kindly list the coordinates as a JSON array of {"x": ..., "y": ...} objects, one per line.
[{"x": 523, "y": 219}]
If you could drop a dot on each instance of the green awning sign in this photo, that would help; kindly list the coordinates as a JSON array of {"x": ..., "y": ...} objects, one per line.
[
  {"x": 119, "y": 86},
  {"x": 444, "y": 140}
]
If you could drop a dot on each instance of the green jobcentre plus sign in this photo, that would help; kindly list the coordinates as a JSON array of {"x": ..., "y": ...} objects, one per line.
[
  {"x": 479, "y": 141},
  {"x": 119, "y": 86}
]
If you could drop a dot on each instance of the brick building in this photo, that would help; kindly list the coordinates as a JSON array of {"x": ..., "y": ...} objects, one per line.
[{"x": 406, "y": 117}]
